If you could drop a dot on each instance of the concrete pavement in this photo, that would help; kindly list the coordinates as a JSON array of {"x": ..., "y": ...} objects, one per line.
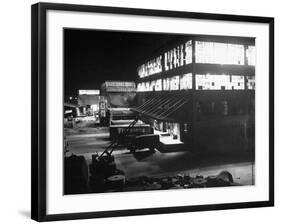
[{"x": 147, "y": 163}]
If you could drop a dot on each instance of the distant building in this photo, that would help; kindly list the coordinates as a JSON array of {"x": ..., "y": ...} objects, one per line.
[
  {"x": 71, "y": 110},
  {"x": 119, "y": 93},
  {"x": 198, "y": 93},
  {"x": 89, "y": 100}
]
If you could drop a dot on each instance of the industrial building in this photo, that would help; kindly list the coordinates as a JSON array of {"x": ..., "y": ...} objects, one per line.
[
  {"x": 116, "y": 98},
  {"x": 198, "y": 93},
  {"x": 118, "y": 93},
  {"x": 187, "y": 120},
  {"x": 89, "y": 100}
]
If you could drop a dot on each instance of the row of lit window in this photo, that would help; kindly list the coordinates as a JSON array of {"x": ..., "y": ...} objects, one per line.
[
  {"x": 251, "y": 55},
  {"x": 222, "y": 53},
  {"x": 150, "y": 68},
  {"x": 119, "y": 84},
  {"x": 205, "y": 52},
  {"x": 178, "y": 56},
  {"x": 219, "y": 53},
  {"x": 183, "y": 82},
  {"x": 174, "y": 58},
  {"x": 224, "y": 82},
  {"x": 217, "y": 82},
  {"x": 203, "y": 82}
]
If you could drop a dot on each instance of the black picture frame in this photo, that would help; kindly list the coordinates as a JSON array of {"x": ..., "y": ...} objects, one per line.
[{"x": 39, "y": 123}]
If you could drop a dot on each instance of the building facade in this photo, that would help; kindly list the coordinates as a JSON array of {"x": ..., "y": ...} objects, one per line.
[
  {"x": 89, "y": 100},
  {"x": 119, "y": 93},
  {"x": 116, "y": 95},
  {"x": 198, "y": 93}
]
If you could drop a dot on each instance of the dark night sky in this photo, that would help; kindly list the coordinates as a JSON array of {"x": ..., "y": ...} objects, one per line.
[{"x": 92, "y": 57}]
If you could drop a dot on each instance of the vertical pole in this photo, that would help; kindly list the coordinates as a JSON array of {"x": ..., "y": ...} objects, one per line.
[
  {"x": 249, "y": 120},
  {"x": 245, "y": 65},
  {"x": 193, "y": 125}
]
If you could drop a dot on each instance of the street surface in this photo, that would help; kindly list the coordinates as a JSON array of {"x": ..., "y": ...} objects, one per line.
[{"x": 86, "y": 141}]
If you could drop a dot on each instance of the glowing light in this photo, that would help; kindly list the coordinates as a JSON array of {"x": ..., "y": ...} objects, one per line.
[
  {"x": 183, "y": 82},
  {"x": 150, "y": 68},
  {"x": 251, "y": 55},
  {"x": 155, "y": 85},
  {"x": 186, "y": 82},
  {"x": 251, "y": 84},
  {"x": 188, "y": 52},
  {"x": 219, "y": 53},
  {"x": 166, "y": 84},
  {"x": 219, "y": 82},
  {"x": 175, "y": 83},
  {"x": 158, "y": 85}
]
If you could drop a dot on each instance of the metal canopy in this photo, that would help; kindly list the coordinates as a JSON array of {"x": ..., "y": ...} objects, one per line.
[{"x": 162, "y": 108}]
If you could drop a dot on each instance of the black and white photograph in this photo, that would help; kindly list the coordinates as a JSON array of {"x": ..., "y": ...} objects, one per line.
[
  {"x": 149, "y": 111},
  {"x": 138, "y": 111}
]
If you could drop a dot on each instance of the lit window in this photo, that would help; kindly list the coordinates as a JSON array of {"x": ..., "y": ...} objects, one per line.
[
  {"x": 147, "y": 86},
  {"x": 152, "y": 85},
  {"x": 219, "y": 82},
  {"x": 166, "y": 61},
  {"x": 178, "y": 56},
  {"x": 188, "y": 52},
  {"x": 175, "y": 83},
  {"x": 186, "y": 81},
  {"x": 237, "y": 82},
  {"x": 219, "y": 53},
  {"x": 166, "y": 84},
  {"x": 181, "y": 53},
  {"x": 142, "y": 87},
  {"x": 158, "y": 85},
  {"x": 251, "y": 82},
  {"x": 251, "y": 55},
  {"x": 152, "y": 67},
  {"x": 139, "y": 88}
]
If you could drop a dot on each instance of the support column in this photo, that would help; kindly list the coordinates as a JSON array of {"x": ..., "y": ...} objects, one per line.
[{"x": 193, "y": 95}]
